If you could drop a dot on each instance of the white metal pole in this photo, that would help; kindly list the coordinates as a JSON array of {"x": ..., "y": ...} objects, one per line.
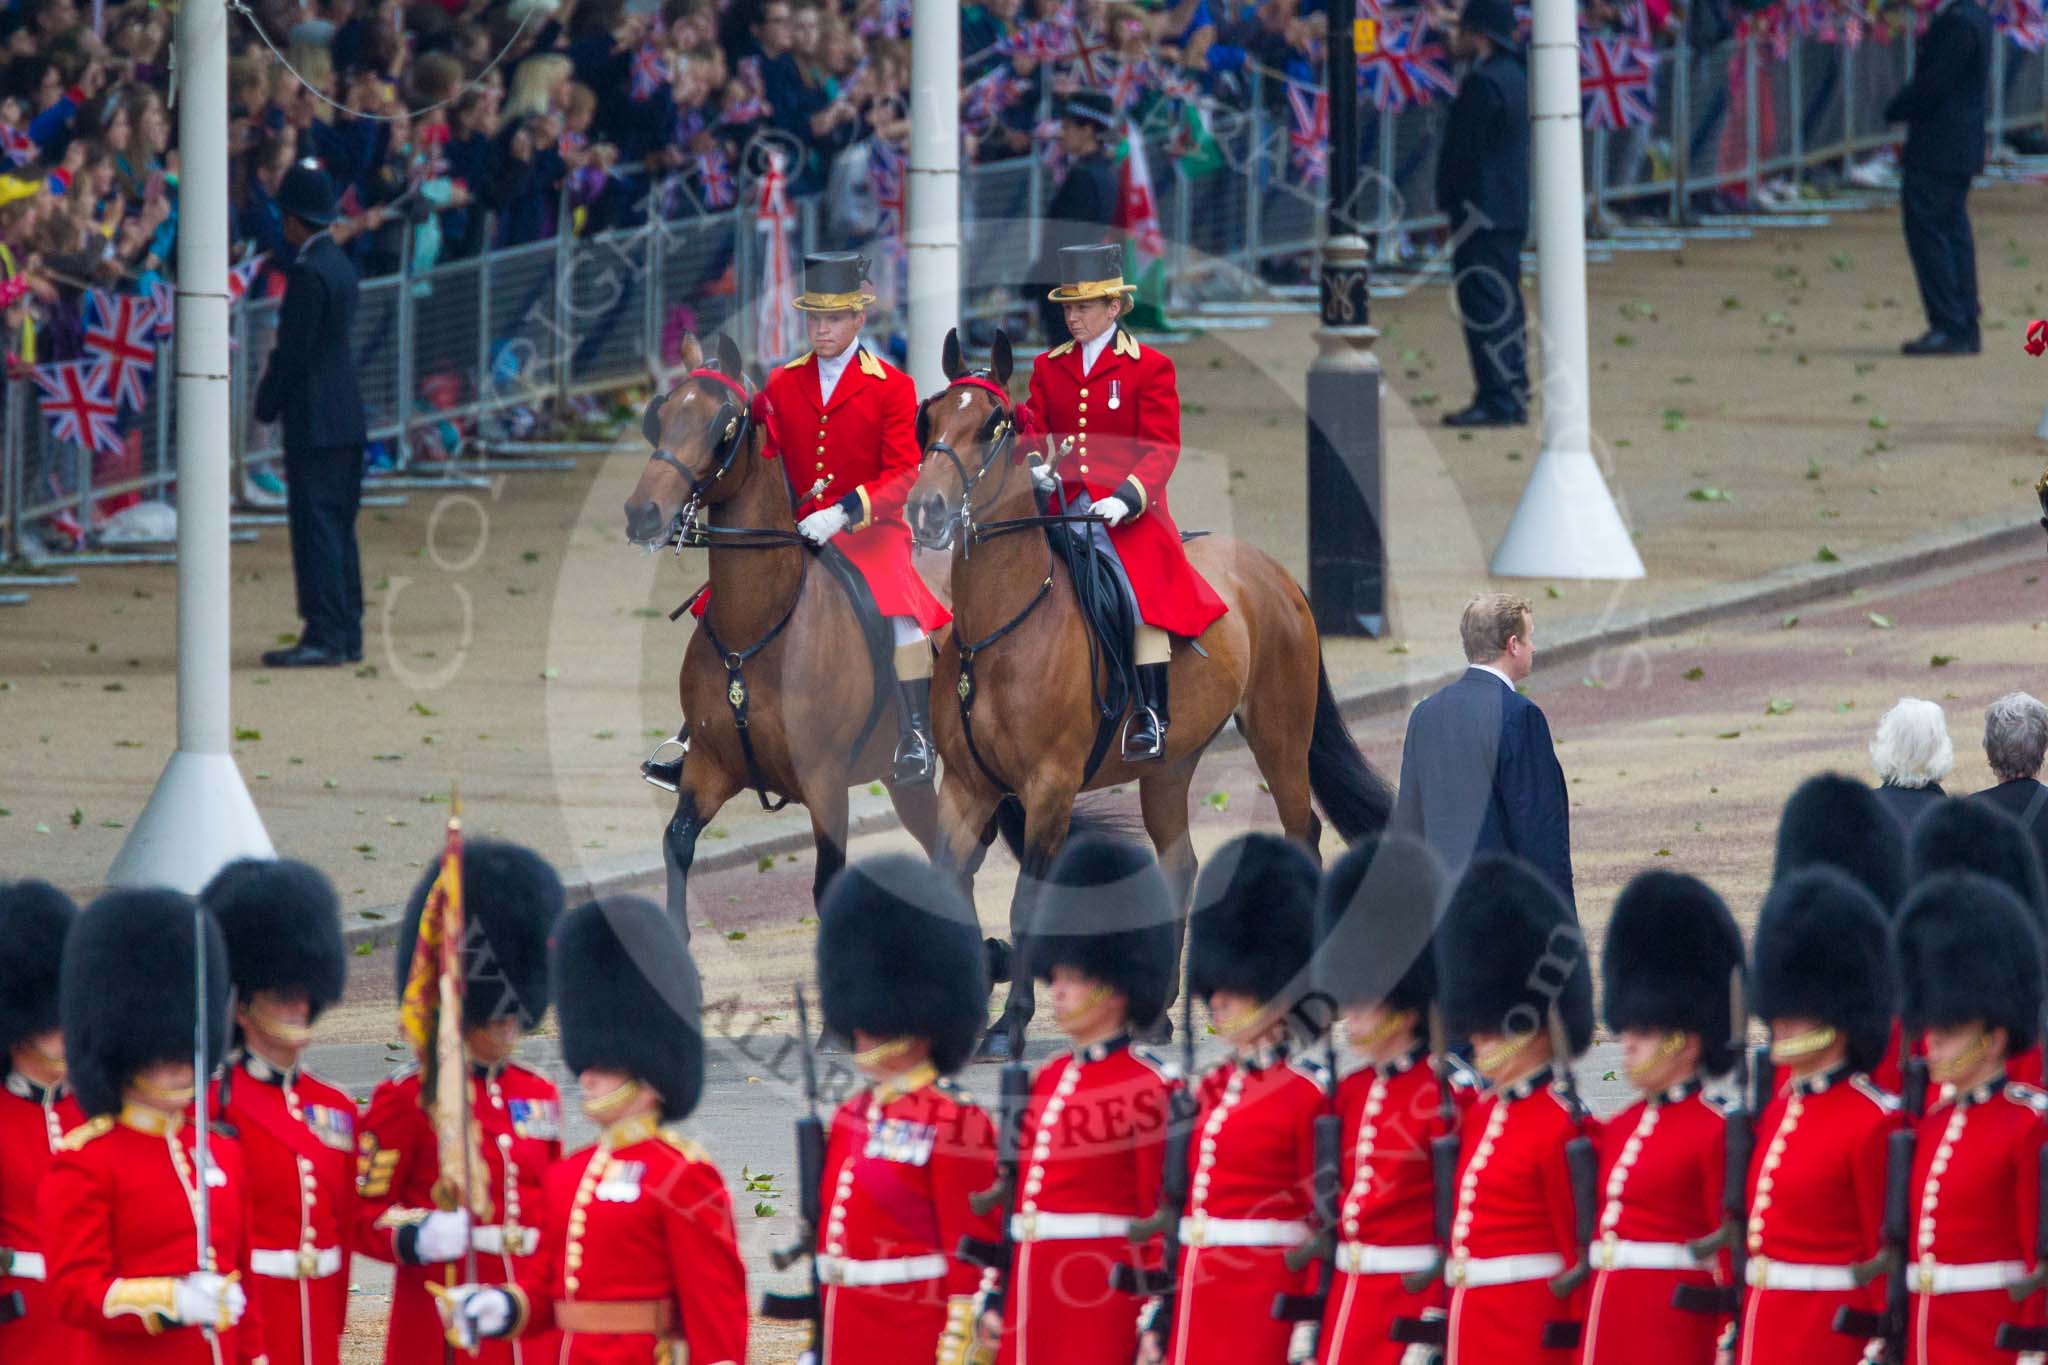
[
  {"x": 200, "y": 816},
  {"x": 1566, "y": 525},
  {"x": 932, "y": 236}
]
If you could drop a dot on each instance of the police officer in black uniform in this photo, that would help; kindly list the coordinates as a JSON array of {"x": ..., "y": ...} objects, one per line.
[
  {"x": 1084, "y": 206},
  {"x": 1482, "y": 182},
  {"x": 1943, "y": 110},
  {"x": 310, "y": 386}
]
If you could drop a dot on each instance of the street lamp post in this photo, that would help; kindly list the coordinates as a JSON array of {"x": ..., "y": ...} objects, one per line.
[{"x": 1347, "y": 556}]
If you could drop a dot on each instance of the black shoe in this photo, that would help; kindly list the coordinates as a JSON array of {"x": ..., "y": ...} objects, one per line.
[
  {"x": 1145, "y": 731},
  {"x": 1938, "y": 343},
  {"x": 915, "y": 756},
  {"x": 303, "y": 656},
  {"x": 1478, "y": 416}
]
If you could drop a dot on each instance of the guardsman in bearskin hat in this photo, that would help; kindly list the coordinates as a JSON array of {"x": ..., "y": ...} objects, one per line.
[
  {"x": 1375, "y": 924},
  {"x": 1250, "y": 941},
  {"x": 844, "y": 422},
  {"x": 36, "y": 1110},
  {"x": 1120, "y": 404},
  {"x": 282, "y": 925},
  {"x": 1826, "y": 984},
  {"x": 511, "y": 899},
  {"x": 1671, "y": 950},
  {"x": 1094, "y": 1132},
  {"x": 1514, "y": 973},
  {"x": 120, "y": 1205},
  {"x": 903, "y": 975},
  {"x": 1970, "y": 965},
  {"x": 639, "y": 1260}
]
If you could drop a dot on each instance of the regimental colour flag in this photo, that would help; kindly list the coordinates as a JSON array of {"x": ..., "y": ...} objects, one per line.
[
  {"x": 77, "y": 407},
  {"x": 1614, "y": 83},
  {"x": 120, "y": 338}
]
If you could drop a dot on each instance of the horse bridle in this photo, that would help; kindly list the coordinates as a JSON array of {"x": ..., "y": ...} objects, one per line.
[
  {"x": 999, "y": 439},
  {"x": 726, "y": 450}
]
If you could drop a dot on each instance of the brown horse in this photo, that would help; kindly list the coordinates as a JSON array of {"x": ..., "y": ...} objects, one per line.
[
  {"x": 776, "y": 682},
  {"x": 1033, "y": 703}
]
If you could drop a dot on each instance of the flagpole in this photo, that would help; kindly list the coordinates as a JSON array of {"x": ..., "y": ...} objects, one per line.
[
  {"x": 931, "y": 235},
  {"x": 200, "y": 816}
]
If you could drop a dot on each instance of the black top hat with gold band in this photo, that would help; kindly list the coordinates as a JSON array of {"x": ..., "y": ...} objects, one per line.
[
  {"x": 835, "y": 282},
  {"x": 1091, "y": 272}
]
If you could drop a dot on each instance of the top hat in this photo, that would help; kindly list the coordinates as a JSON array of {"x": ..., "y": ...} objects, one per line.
[
  {"x": 1089, "y": 106},
  {"x": 1494, "y": 19},
  {"x": 835, "y": 282},
  {"x": 1091, "y": 272},
  {"x": 307, "y": 194}
]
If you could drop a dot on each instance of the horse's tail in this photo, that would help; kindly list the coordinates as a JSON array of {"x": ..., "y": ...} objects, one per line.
[
  {"x": 1357, "y": 799},
  {"x": 1094, "y": 817}
]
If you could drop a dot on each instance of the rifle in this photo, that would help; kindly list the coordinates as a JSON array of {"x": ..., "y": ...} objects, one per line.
[
  {"x": 1013, "y": 1098},
  {"x": 810, "y": 1164},
  {"x": 1164, "y": 1222},
  {"x": 1582, "y": 1167},
  {"x": 1443, "y": 1178},
  {"x": 2013, "y": 1336},
  {"x": 1321, "y": 1247},
  {"x": 1889, "y": 1322},
  {"x": 1740, "y": 1128}
]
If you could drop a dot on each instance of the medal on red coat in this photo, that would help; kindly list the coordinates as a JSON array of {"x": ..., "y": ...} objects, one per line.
[{"x": 1115, "y": 398}]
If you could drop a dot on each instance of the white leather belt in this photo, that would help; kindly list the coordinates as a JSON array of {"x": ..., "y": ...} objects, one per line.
[
  {"x": 495, "y": 1240},
  {"x": 1067, "y": 1227},
  {"x": 1625, "y": 1255},
  {"x": 1765, "y": 1274},
  {"x": 22, "y": 1265},
  {"x": 1483, "y": 1272},
  {"x": 1203, "y": 1231},
  {"x": 296, "y": 1265},
  {"x": 850, "y": 1274},
  {"x": 1925, "y": 1277},
  {"x": 1357, "y": 1258}
]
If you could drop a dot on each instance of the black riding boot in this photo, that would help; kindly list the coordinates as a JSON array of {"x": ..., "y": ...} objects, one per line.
[
  {"x": 1145, "y": 731},
  {"x": 915, "y": 755}
]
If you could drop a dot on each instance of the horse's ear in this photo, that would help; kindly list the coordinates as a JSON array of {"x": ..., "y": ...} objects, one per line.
[
  {"x": 949, "y": 357},
  {"x": 650, "y": 420},
  {"x": 729, "y": 362},
  {"x": 1000, "y": 360},
  {"x": 924, "y": 425},
  {"x": 692, "y": 356}
]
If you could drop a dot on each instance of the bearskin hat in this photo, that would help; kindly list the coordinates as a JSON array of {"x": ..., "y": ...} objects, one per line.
[
  {"x": 1836, "y": 821},
  {"x": 34, "y": 917},
  {"x": 282, "y": 924},
  {"x": 511, "y": 899},
  {"x": 1968, "y": 950},
  {"x": 128, "y": 985},
  {"x": 1507, "y": 950},
  {"x": 1107, "y": 912},
  {"x": 1254, "y": 922},
  {"x": 1671, "y": 947},
  {"x": 900, "y": 956},
  {"x": 1976, "y": 836},
  {"x": 1823, "y": 951},
  {"x": 1376, "y": 914},
  {"x": 628, "y": 998}
]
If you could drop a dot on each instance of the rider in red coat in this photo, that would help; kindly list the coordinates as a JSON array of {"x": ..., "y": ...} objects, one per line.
[
  {"x": 1119, "y": 403},
  {"x": 845, "y": 423}
]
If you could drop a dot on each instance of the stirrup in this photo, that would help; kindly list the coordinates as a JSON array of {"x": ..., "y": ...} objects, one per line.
[
  {"x": 1138, "y": 751},
  {"x": 914, "y": 762},
  {"x": 666, "y": 774}
]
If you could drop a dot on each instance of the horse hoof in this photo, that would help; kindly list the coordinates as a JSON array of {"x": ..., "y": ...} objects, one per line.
[{"x": 995, "y": 1045}]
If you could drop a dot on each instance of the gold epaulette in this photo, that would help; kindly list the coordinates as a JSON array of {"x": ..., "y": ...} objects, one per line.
[
  {"x": 1060, "y": 349},
  {"x": 687, "y": 1146},
  {"x": 1126, "y": 344},
  {"x": 85, "y": 1132},
  {"x": 799, "y": 362},
  {"x": 871, "y": 365}
]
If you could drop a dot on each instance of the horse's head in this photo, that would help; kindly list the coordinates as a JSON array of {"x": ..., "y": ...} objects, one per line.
[
  {"x": 964, "y": 431},
  {"x": 698, "y": 430}
]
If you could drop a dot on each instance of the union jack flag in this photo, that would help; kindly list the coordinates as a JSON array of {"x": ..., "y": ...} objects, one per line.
[
  {"x": 988, "y": 97},
  {"x": 1126, "y": 84},
  {"x": 1310, "y": 131},
  {"x": 2023, "y": 21},
  {"x": 77, "y": 406},
  {"x": 1043, "y": 41},
  {"x": 120, "y": 332},
  {"x": 714, "y": 179},
  {"x": 1408, "y": 67},
  {"x": 17, "y": 145},
  {"x": 750, "y": 109},
  {"x": 242, "y": 274},
  {"x": 1086, "y": 54},
  {"x": 1614, "y": 83},
  {"x": 650, "y": 72}
]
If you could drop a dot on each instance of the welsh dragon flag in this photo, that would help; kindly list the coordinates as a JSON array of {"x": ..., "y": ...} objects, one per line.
[{"x": 1137, "y": 217}]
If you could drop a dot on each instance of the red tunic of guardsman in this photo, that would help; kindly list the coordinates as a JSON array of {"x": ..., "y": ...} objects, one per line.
[
  {"x": 639, "y": 1261},
  {"x": 1824, "y": 981},
  {"x": 1120, "y": 404},
  {"x": 902, "y": 974},
  {"x": 511, "y": 899},
  {"x": 124, "y": 1199},
  {"x": 1970, "y": 960},
  {"x": 35, "y": 1112}
]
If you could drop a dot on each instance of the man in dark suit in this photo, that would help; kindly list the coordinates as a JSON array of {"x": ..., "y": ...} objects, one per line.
[
  {"x": 310, "y": 386},
  {"x": 1084, "y": 205},
  {"x": 2015, "y": 742},
  {"x": 1478, "y": 773},
  {"x": 1943, "y": 110},
  {"x": 1482, "y": 182}
]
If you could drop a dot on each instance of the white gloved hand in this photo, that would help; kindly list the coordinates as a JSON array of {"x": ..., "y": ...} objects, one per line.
[
  {"x": 1301, "y": 1343},
  {"x": 1111, "y": 510},
  {"x": 474, "y": 1313},
  {"x": 822, "y": 525},
  {"x": 1043, "y": 477},
  {"x": 204, "y": 1299},
  {"x": 442, "y": 1237}
]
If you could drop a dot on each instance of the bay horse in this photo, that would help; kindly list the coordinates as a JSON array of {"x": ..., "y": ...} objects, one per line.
[
  {"x": 777, "y": 685},
  {"x": 1026, "y": 720}
]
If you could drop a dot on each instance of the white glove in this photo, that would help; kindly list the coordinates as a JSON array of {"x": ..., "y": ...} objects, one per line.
[
  {"x": 442, "y": 1237},
  {"x": 204, "y": 1299},
  {"x": 1301, "y": 1343},
  {"x": 1111, "y": 510},
  {"x": 1043, "y": 477},
  {"x": 474, "y": 1313},
  {"x": 1421, "y": 1354},
  {"x": 822, "y": 525}
]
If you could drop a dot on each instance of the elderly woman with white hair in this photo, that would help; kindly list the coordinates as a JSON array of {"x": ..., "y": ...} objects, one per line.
[
  {"x": 2015, "y": 743},
  {"x": 1912, "y": 753}
]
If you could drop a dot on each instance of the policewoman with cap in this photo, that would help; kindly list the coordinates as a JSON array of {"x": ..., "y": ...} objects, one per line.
[
  {"x": 310, "y": 387},
  {"x": 1084, "y": 205}
]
